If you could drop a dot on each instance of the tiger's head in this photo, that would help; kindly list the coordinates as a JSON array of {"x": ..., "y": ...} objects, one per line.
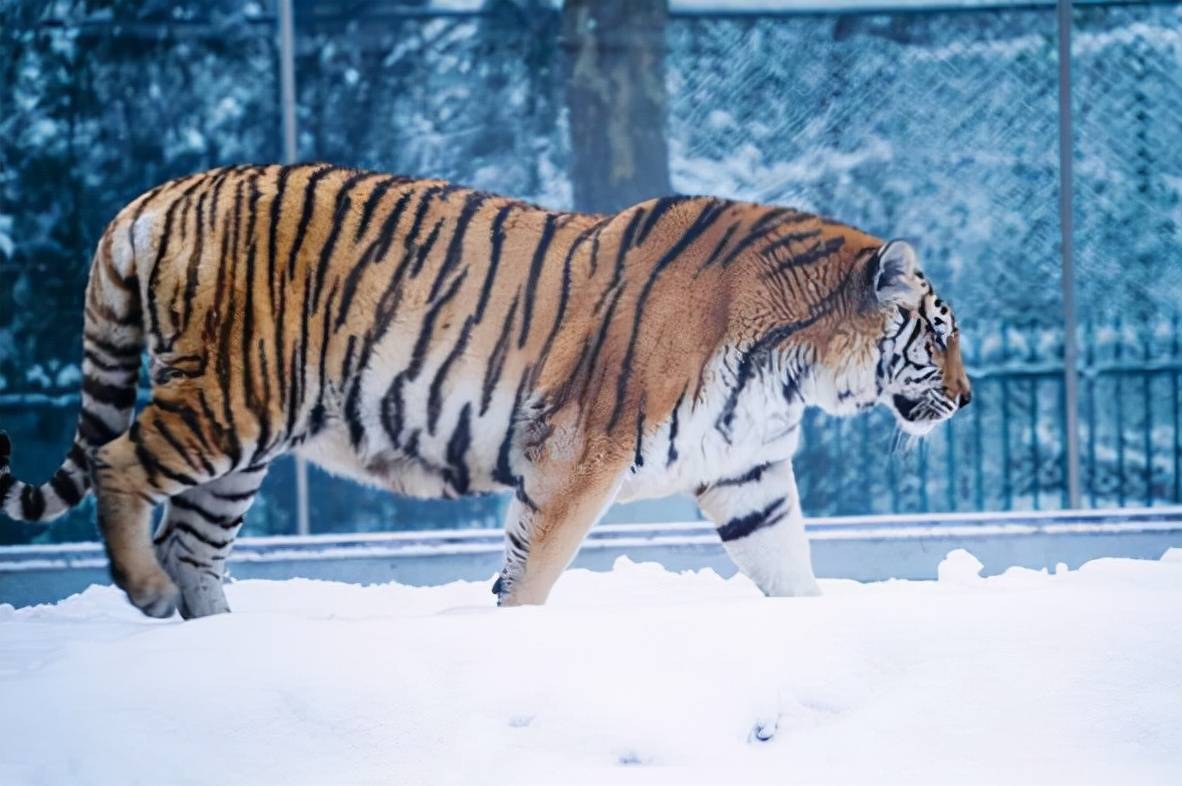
[
  {"x": 920, "y": 374},
  {"x": 872, "y": 330}
]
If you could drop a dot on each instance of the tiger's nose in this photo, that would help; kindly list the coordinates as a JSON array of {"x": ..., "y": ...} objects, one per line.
[{"x": 965, "y": 398}]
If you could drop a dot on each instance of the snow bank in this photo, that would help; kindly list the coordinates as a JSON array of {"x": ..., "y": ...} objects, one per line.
[{"x": 633, "y": 676}]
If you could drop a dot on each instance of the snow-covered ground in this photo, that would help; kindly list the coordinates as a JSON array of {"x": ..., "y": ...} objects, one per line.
[{"x": 633, "y": 676}]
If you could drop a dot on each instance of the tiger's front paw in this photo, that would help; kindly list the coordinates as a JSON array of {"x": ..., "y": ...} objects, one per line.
[{"x": 792, "y": 587}]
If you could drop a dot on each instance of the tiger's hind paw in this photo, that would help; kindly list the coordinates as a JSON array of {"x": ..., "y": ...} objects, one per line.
[{"x": 157, "y": 597}]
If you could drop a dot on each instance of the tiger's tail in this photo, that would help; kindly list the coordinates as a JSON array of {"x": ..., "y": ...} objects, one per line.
[{"x": 112, "y": 344}]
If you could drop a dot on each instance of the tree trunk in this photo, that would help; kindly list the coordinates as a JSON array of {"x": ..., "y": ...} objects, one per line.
[{"x": 615, "y": 53}]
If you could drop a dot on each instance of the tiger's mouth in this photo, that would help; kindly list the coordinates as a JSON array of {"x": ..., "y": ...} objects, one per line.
[
  {"x": 905, "y": 407},
  {"x": 919, "y": 416}
]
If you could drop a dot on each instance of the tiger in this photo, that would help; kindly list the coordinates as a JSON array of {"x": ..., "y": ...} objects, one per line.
[{"x": 439, "y": 341}]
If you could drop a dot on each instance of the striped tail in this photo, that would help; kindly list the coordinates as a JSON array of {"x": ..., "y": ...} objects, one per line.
[
  {"x": 112, "y": 344},
  {"x": 27, "y": 502}
]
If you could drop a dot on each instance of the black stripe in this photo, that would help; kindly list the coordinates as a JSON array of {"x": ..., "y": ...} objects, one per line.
[
  {"x": 663, "y": 206},
  {"x": 563, "y": 295},
  {"x": 411, "y": 448},
  {"x": 387, "y": 308},
  {"x": 392, "y": 416},
  {"x": 215, "y": 190},
  {"x": 104, "y": 313},
  {"x": 347, "y": 362},
  {"x": 129, "y": 368},
  {"x": 275, "y": 283},
  {"x": 594, "y": 263},
  {"x": 638, "y": 455},
  {"x": 150, "y": 463},
  {"x": 435, "y": 396},
  {"x": 672, "y": 456},
  {"x": 114, "y": 395},
  {"x": 153, "y": 318},
  {"x": 94, "y": 429},
  {"x": 769, "y": 222},
  {"x": 112, "y": 350},
  {"x": 520, "y": 546},
  {"x": 789, "y": 239},
  {"x": 712, "y": 257},
  {"x": 814, "y": 254},
  {"x": 456, "y": 473},
  {"x": 181, "y": 450},
  {"x": 189, "y": 529},
  {"x": 455, "y": 249},
  {"x": 226, "y": 437},
  {"x": 535, "y": 272},
  {"x": 7, "y": 481},
  {"x": 496, "y": 242},
  {"x": 318, "y": 412},
  {"x": 305, "y": 217},
  {"x": 742, "y": 526},
  {"x": 299, "y": 372},
  {"x": 344, "y": 206},
  {"x": 273, "y": 229},
  {"x": 374, "y": 255},
  {"x": 241, "y": 496},
  {"x": 228, "y": 270},
  {"x": 188, "y": 417},
  {"x": 625, "y": 244},
  {"x": 262, "y": 445},
  {"x": 420, "y": 256},
  {"x": 194, "y": 261},
  {"x": 409, "y": 242},
  {"x": 503, "y": 472},
  {"x": 192, "y": 507},
  {"x": 248, "y": 309},
  {"x": 371, "y": 204},
  {"x": 204, "y": 567},
  {"x": 32, "y": 503},
  {"x": 77, "y": 455},
  {"x": 419, "y": 353},
  {"x": 750, "y": 476},
  {"x": 496, "y": 359},
  {"x": 64, "y": 486},
  {"x": 604, "y": 326}
]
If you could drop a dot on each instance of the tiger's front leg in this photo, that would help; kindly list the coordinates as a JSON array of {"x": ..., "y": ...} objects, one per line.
[
  {"x": 759, "y": 519},
  {"x": 567, "y": 487}
]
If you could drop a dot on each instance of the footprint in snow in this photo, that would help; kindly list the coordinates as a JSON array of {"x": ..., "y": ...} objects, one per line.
[{"x": 763, "y": 730}]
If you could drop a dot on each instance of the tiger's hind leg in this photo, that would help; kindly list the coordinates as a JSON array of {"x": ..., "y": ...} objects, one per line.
[
  {"x": 196, "y": 534},
  {"x": 157, "y": 458}
]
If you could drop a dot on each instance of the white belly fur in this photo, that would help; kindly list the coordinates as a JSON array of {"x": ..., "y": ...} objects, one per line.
[{"x": 765, "y": 428}]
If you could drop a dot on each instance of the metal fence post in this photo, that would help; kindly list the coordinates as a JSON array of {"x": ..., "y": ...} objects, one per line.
[
  {"x": 287, "y": 99},
  {"x": 1067, "y": 276}
]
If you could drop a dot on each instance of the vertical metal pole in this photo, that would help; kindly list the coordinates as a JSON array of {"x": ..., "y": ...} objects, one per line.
[
  {"x": 1067, "y": 277},
  {"x": 287, "y": 80},
  {"x": 287, "y": 99}
]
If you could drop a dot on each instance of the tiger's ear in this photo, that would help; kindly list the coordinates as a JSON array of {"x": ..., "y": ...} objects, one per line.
[{"x": 893, "y": 274}]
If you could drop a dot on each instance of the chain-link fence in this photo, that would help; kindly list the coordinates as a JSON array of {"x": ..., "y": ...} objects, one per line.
[{"x": 940, "y": 126}]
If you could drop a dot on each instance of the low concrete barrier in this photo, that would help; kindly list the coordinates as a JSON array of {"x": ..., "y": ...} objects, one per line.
[{"x": 866, "y": 548}]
